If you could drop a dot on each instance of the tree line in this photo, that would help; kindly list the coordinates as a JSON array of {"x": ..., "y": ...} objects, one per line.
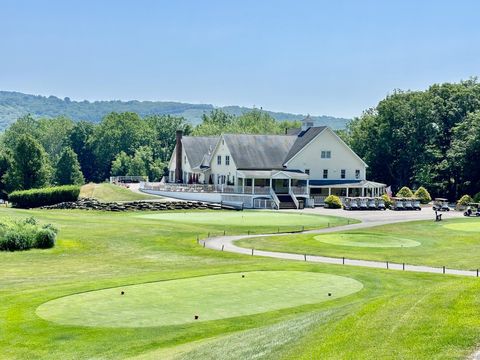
[
  {"x": 59, "y": 151},
  {"x": 425, "y": 138}
]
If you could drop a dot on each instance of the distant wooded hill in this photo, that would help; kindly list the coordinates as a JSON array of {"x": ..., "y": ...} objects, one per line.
[{"x": 15, "y": 104}]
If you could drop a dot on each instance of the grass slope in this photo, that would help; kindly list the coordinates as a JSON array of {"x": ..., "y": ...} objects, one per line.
[
  {"x": 395, "y": 315},
  {"x": 108, "y": 192},
  {"x": 454, "y": 243}
]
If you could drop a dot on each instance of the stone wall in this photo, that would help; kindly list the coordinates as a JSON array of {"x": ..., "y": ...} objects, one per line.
[{"x": 93, "y": 204}]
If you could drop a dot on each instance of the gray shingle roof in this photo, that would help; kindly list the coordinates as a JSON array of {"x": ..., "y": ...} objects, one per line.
[
  {"x": 259, "y": 151},
  {"x": 302, "y": 139},
  {"x": 197, "y": 147}
]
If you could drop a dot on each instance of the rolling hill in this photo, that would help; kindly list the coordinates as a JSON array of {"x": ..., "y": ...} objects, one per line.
[{"x": 16, "y": 104}]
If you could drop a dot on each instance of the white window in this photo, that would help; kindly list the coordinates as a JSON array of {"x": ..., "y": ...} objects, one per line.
[
  {"x": 227, "y": 160},
  {"x": 326, "y": 154},
  {"x": 219, "y": 160},
  {"x": 342, "y": 173},
  {"x": 325, "y": 173},
  {"x": 357, "y": 174}
]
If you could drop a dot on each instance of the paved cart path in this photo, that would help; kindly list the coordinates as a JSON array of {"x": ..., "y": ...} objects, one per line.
[{"x": 226, "y": 243}]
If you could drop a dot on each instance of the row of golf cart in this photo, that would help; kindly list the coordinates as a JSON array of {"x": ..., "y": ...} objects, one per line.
[
  {"x": 377, "y": 203},
  {"x": 363, "y": 203}
]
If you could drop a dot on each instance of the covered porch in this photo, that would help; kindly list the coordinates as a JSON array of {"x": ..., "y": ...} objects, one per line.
[
  {"x": 278, "y": 181},
  {"x": 364, "y": 188}
]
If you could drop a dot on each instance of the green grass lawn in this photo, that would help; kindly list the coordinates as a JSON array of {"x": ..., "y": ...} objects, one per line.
[
  {"x": 248, "y": 220},
  {"x": 454, "y": 243},
  {"x": 394, "y": 316},
  {"x": 108, "y": 192}
]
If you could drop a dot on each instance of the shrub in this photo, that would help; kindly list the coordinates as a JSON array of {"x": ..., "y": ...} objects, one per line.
[
  {"x": 464, "y": 200},
  {"x": 44, "y": 239},
  {"x": 423, "y": 195},
  {"x": 333, "y": 202},
  {"x": 405, "y": 192},
  {"x": 388, "y": 202},
  {"x": 16, "y": 239},
  {"x": 45, "y": 196},
  {"x": 25, "y": 234}
]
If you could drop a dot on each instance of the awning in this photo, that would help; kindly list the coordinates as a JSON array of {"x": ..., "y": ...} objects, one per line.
[
  {"x": 345, "y": 184},
  {"x": 271, "y": 174}
]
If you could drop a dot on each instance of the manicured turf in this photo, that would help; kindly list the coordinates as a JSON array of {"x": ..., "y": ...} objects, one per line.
[
  {"x": 453, "y": 243},
  {"x": 209, "y": 297},
  {"x": 108, "y": 192},
  {"x": 366, "y": 240},
  {"x": 269, "y": 221},
  {"x": 470, "y": 226},
  {"x": 395, "y": 316}
]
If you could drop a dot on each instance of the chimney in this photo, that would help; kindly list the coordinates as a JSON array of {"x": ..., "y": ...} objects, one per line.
[{"x": 178, "y": 157}]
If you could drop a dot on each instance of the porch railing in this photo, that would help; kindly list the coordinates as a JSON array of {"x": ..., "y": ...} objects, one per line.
[{"x": 229, "y": 189}]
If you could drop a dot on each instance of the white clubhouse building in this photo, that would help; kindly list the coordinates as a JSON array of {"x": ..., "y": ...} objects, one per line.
[{"x": 299, "y": 168}]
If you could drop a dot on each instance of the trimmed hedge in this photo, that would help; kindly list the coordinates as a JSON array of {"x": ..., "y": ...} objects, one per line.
[
  {"x": 464, "y": 200},
  {"x": 45, "y": 196},
  {"x": 423, "y": 195},
  {"x": 405, "y": 192},
  {"x": 333, "y": 202}
]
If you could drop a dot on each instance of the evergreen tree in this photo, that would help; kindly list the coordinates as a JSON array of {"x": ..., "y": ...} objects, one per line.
[{"x": 68, "y": 169}]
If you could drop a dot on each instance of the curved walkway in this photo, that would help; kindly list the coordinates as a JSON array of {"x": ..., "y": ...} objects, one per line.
[{"x": 370, "y": 219}]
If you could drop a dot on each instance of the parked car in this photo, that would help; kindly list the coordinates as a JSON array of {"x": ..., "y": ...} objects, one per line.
[
  {"x": 473, "y": 209},
  {"x": 441, "y": 204}
]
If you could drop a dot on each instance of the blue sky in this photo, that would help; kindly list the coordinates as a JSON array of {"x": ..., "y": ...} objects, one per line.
[{"x": 319, "y": 57}]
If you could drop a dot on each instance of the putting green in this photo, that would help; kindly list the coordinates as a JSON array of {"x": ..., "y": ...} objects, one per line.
[
  {"x": 366, "y": 240},
  {"x": 251, "y": 218},
  {"x": 473, "y": 226},
  {"x": 212, "y": 297}
]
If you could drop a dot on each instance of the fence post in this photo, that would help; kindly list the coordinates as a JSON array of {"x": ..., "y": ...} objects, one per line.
[
  {"x": 477, "y": 272},
  {"x": 278, "y": 230},
  {"x": 403, "y": 266},
  {"x": 248, "y": 232},
  {"x": 223, "y": 232},
  {"x": 222, "y": 246},
  {"x": 252, "y": 251},
  {"x": 204, "y": 244},
  {"x": 343, "y": 260},
  {"x": 305, "y": 256},
  {"x": 208, "y": 235},
  {"x": 387, "y": 265},
  {"x": 444, "y": 269}
]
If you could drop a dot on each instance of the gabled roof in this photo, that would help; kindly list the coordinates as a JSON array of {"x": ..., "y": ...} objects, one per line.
[
  {"x": 197, "y": 148},
  {"x": 302, "y": 139},
  {"x": 259, "y": 151}
]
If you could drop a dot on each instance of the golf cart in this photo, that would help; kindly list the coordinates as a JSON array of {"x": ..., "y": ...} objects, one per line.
[
  {"x": 440, "y": 204},
  {"x": 408, "y": 204},
  {"x": 372, "y": 204},
  {"x": 398, "y": 204},
  {"x": 349, "y": 204},
  {"x": 473, "y": 209},
  {"x": 381, "y": 204},
  {"x": 363, "y": 202},
  {"x": 416, "y": 204}
]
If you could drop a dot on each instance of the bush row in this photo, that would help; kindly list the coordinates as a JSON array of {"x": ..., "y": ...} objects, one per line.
[
  {"x": 45, "y": 196},
  {"x": 26, "y": 234}
]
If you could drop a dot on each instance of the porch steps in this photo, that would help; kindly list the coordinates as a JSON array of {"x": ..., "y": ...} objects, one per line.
[{"x": 286, "y": 201}]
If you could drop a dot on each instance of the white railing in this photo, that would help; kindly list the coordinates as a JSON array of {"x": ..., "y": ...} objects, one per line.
[
  {"x": 275, "y": 198},
  {"x": 294, "y": 198},
  {"x": 300, "y": 190},
  {"x": 229, "y": 189}
]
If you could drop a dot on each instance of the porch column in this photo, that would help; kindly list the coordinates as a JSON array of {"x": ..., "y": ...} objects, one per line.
[
  {"x": 348, "y": 189},
  {"x": 253, "y": 186},
  {"x": 289, "y": 185},
  {"x": 243, "y": 186},
  {"x": 329, "y": 191},
  {"x": 270, "y": 183},
  {"x": 307, "y": 190}
]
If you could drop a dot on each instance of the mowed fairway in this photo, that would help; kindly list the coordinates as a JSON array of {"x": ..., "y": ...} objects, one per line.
[
  {"x": 454, "y": 243},
  {"x": 208, "y": 297},
  {"x": 267, "y": 221},
  {"x": 395, "y": 315}
]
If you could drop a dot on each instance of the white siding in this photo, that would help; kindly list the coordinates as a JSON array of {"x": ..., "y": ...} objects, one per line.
[
  {"x": 223, "y": 169},
  {"x": 341, "y": 158}
]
